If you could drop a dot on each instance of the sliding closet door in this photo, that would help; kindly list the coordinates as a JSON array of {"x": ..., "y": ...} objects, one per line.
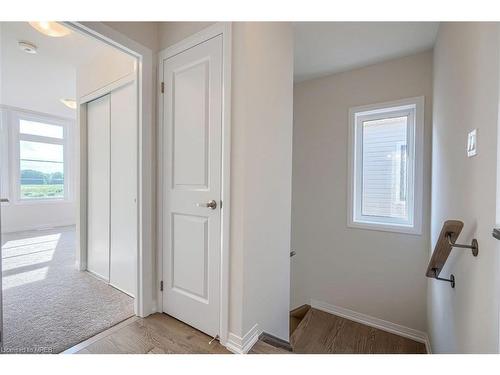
[
  {"x": 98, "y": 189},
  {"x": 124, "y": 188}
]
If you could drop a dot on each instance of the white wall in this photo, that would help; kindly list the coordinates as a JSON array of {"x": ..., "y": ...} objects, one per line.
[
  {"x": 144, "y": 33},
  {"x": 262, "y": 94},
  {"x": 466, "y": 77},
  {"x": 108, "y": 66},
  {"x": 36, "y": 83},
  {"x": 262, "y": 169},
  {"x": 380, "y": 274},
  {"x": 173, "y": 32}
]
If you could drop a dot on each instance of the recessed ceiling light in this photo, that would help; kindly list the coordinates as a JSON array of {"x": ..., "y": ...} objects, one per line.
[
  {"x": 27, "y": 47},
  {"x": 51, "y": 28},
  {"x": 70, "y": 103}
]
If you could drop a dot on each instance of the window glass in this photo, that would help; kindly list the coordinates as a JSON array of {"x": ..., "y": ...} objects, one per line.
[
  {"x": 41, "y": 170},
  {"x": 384, "y": 168},
  {"x": 41, "y": 129}
]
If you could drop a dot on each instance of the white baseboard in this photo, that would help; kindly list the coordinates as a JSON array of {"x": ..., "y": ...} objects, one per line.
[
  {"x": 242, "y": 345},
  {"x": 371, "y": 321}
]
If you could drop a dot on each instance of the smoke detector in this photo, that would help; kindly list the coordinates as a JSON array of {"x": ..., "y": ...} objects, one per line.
[{"x": 27, "y": 47}]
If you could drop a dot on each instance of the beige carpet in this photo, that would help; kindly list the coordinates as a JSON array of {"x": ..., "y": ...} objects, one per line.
[{"x": 49, "y": 306}]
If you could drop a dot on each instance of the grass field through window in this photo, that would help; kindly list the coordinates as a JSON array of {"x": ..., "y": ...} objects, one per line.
[{"x": 42, "y": 191}]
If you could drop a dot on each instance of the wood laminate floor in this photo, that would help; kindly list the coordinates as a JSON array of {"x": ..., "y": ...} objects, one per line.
[
  {"x": 318, "y": 333},
  {"x": 323, "y": 333},
  {"x": 156, "y": 334}
]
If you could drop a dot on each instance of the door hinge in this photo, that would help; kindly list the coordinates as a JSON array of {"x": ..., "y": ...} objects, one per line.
[
  {"x": 161, "y": 285},
  {"x": 162, "y": 87}
]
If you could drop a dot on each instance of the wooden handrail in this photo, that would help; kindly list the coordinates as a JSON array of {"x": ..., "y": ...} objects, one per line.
[
  {"x": 446, "y": 241},
  {"x": 443, "y": 248}
]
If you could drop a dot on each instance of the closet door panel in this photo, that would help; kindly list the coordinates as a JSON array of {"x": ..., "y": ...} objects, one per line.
[
  {"x": 124, "y": 188},
  {"x": 98, "y": 193}
]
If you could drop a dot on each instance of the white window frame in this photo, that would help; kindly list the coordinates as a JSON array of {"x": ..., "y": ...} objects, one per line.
[
  {"x": 414, "y": 109},
  {"x": 15, "y": 117},
  {"x": 4, "y": 155}
]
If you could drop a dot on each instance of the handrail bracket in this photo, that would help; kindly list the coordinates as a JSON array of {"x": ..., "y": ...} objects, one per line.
[
  {"x": 451, "y": 280},
  {"x": 444, "y": 245},
  {"x": 474, "y": 246}
]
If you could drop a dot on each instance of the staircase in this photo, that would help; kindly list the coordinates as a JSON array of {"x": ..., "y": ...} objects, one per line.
[
  {"x": 269, "y": 344},
  {"x": 319, "y": 332},
  {"x": 313, "y": 331}
]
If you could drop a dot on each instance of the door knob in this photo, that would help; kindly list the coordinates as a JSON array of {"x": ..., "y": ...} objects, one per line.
[
  {"x": 212, "y": 204},
  {"x": 4, "y": 200}
]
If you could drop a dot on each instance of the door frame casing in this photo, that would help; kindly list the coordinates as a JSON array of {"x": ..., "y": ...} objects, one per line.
[
  {"x": 224, "y": 29},
  {"x": 144, "y": 303}
]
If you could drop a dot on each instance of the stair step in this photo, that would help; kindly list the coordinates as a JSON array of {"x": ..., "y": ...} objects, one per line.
[
  {"x": 296, "y": 316},
  {"x": 262, "y": 347},
  {"x": 298, "y": 330},
  {"x": 275, "y": 342}
]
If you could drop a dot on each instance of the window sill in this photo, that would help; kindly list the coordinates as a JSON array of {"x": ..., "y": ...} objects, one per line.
[{"x": 394, "y": 228}]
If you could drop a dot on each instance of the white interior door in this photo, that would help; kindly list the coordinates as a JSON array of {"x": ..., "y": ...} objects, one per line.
[
  {"x": 123, "y": 228},
  {"x": 98, "y": 189},
  {"x": 192, "y": 107}
]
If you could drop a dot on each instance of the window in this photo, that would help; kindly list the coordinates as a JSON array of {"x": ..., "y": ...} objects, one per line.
[
  {"x": 4, "y": 156},
  {"x": 386, "y": 166},
  {"x": 40, "y": 158}
]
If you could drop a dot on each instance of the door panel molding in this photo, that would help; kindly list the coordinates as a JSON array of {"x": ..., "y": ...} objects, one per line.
[
  {"x": 224, "y": 29},
  {"x": 189, "y": 287}
]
